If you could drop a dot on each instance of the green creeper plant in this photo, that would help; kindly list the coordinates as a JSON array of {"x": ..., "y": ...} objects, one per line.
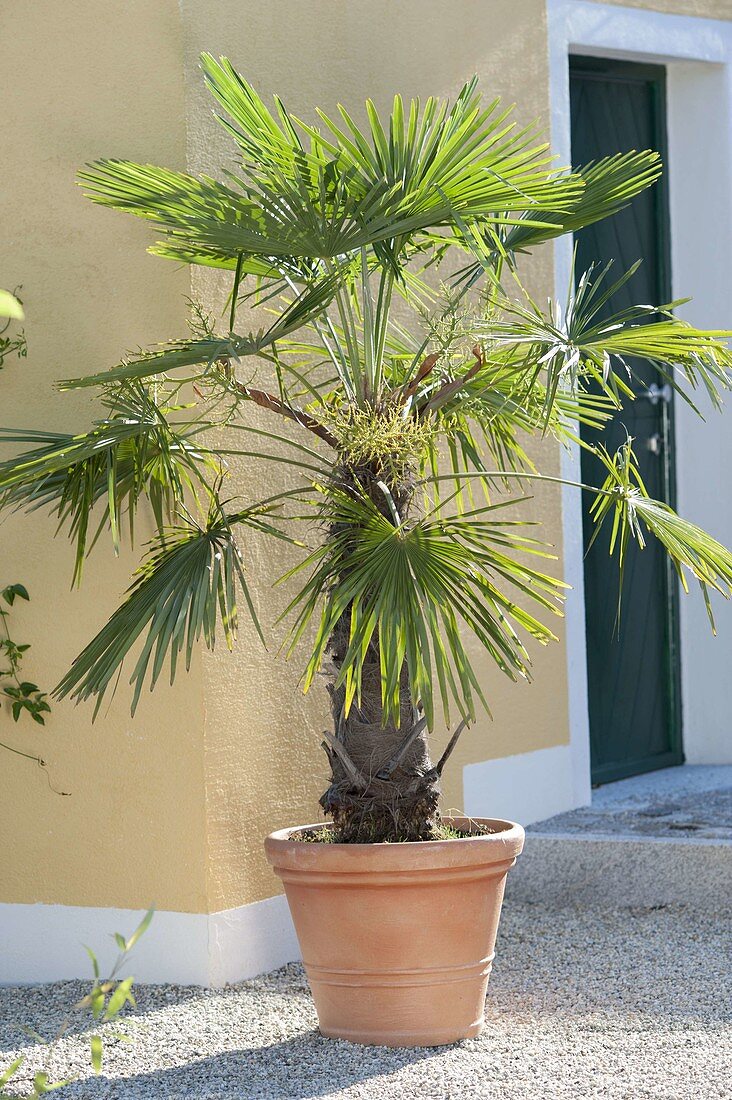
[
  {"x": 397, "y": 410},
  {"x": 24, "y": 696},
  {"x": 105, "y": 1002},
  {"x": 11, "y": 310}
]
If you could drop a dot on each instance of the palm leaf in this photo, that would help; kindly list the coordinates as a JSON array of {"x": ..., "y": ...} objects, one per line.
[
  {"x": 582, "y": 342},
  {"x": 348, "y": 190},
  {"x": 610, "y": 184},
  {"x": 187, "y": 583},
  {"x": 465, "y": 157},
  {"x": 134, "y": 451},
  {"x": 407, "y": 589},
  {"x": 624, "y": 502},
  {"x": 208, "y": 351}
]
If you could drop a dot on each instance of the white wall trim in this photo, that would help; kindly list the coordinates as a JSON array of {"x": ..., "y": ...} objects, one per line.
[
  {"x": 44, "y": 943},
  {"x": 700, "y": 129},
  {"x": 698, "y": 55},
  {"x": 528, "y": 787},
  {"x": 250, "y": 940}
]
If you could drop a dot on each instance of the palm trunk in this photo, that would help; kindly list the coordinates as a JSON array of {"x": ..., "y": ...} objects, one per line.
[{"x": 383, "y": 786}]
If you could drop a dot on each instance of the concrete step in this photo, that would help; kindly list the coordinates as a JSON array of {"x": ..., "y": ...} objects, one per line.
[
  {"x": 664, "y": 838},
  {"x": 611, "y": 871},
  {"x": 693, "y": 802}
]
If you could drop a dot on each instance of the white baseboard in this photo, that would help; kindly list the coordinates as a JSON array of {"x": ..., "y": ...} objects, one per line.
[
  {"x": 529, "y": 787},
  {"x": 44, "y": 943},
  {"x": 250, "y": 940}
]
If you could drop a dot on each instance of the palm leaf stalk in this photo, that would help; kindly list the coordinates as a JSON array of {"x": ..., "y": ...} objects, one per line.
[{"x": 404, "y": 443}]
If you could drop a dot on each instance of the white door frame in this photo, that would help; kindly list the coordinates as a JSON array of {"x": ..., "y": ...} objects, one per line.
[{"x": 698, "y": 56}]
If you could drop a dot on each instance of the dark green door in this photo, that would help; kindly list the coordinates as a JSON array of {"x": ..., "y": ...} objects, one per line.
[{"x": 633, "y": 676}]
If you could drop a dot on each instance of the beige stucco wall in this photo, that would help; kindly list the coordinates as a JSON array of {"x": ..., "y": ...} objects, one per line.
[{"x": 81, "y": 80}]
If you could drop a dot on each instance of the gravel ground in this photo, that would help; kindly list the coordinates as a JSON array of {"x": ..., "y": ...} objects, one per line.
[
  {"x": 693, "y": 802},
  {"x": 624, "y": 1004}
]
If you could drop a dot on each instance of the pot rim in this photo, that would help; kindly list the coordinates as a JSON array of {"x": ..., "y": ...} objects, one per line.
[
  {"x": 481, "y": 848},
  {"x": 509, "y": 830}
]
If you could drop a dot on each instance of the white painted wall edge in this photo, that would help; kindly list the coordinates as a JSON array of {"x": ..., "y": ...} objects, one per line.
[
  {"x": 528, "y": 787},
  {"x": 635, "y": 33},
  {"x": 701, "y": 246},
  {"x": 43, "y": 943},
  {"x": 250, "y": 940},
  {"x": 698, "y": 55}
]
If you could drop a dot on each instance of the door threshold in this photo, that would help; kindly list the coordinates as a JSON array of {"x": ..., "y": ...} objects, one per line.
[{"x": 611, "y": 773}]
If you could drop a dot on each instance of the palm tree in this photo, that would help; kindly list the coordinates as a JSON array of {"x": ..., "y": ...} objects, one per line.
[{"x": 403, "y": 409}]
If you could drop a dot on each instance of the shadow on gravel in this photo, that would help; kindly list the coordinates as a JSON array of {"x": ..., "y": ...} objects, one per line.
[
  {"x": 46, "y": 1007},
  {"x": 304, "y": 1067}
]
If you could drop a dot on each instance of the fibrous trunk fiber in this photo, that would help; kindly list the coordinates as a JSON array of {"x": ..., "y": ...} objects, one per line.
[{"x": 384, "y": 787}]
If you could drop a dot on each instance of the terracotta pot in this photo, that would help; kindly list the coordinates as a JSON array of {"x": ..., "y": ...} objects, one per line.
[{"x": 398, "y": 939}]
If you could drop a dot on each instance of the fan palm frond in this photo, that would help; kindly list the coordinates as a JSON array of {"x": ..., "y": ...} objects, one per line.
[
  {"x": 135, "y": 450},
  {"x": 348, "y": 189},
  {"x": 582, "y": 341},
  {"x": 407, "y": 588},
  {"x": 610, "y": 184},
  {"x": 306, "y": 306},
  {"x": 462, "y": 157},
  {"x": 187, "y": 582},
  {"x": 434, "y": 156},
  {"x": 624, "y": 502}
]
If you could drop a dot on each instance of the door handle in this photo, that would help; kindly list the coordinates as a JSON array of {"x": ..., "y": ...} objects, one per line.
[
  {"x": 654, "y": 443},
  {"x": 656, "y": 393}
]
